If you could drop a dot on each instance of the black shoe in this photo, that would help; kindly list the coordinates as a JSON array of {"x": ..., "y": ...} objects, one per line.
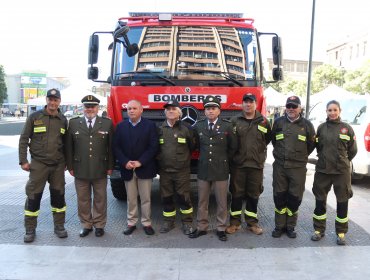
[
  {"x": 149, "y": 230},
  {"x": 29, "y": 236},
  {"x": 99, "y": 232},
  {"x": 167, "y": 227},
  {"x": 277, "y": 232},
  {"x": 222, "y": 235},
  {"x": 187, "y": 229},
  {"x": 85, "y": 232},
  {"x": 129, "y": 230},
  {"x": 291, "y": 233},
  {"x": 197, "y": 233}
]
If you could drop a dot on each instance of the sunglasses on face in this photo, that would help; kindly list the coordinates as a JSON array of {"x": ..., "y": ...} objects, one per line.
[{"x": 291, "y": 106}]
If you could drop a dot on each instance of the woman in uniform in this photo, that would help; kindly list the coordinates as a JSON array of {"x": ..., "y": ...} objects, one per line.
[{"x": 336, "y": 147}]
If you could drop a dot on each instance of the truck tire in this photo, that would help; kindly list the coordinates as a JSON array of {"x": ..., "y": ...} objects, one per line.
[{"x": 118, "y": 188}]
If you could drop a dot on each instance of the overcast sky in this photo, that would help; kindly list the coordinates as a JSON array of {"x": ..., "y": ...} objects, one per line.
[{"x": 52, "y": 36}]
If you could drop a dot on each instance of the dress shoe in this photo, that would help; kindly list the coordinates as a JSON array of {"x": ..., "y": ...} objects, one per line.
[
  {"x": 99, "y": 232},
  {"x": 222, "y": 235},
  {"x": 291, "y": 233},
  {"x": 197, "y": 233},
  {"x": 149, "y": 230},
  {"x": 129, "y": 230},
  {"x": 167, "y": 226},
  {"x": 60, "y": 231},
  {"x": 187, "y": 228},
  {"x": 232, "y": 229},
  {"x": 29, "y": 236},
  {"x": 277, "y": 232},
  {"x": 85, "y": 232}
]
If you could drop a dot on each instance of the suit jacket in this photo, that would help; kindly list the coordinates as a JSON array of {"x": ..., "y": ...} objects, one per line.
[
  {"x": 89, "y": 155},
  {"x": 216, "y": 148},
  {"x": 139, "y": 143}
]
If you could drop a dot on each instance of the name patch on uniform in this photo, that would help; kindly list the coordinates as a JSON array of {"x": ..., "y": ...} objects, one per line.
[
  {"x": 39, "y": 129},
  {"x": 262, "y": 128},
  {"x": 181, "y": 140}
]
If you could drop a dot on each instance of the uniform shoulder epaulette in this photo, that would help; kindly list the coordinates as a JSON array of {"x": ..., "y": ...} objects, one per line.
[
  {"x": 202, "y": 120},
  {"x": 227, "y": 120},
  {"x": 75, "y": 117}
]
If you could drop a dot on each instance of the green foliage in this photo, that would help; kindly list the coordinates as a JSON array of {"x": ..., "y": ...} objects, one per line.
[
  {"x": 357, "y": 81},
  {"x": 3, "y": 88}
]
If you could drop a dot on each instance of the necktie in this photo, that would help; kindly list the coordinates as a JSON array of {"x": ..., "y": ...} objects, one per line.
[
  {"x": 211, "y": 126},
  {"x": 90, "y": 125}
]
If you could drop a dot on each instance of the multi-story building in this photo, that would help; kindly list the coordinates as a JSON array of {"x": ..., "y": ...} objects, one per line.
[{"x": 351, "y": 52}]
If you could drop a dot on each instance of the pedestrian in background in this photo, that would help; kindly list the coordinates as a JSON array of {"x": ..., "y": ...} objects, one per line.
[
  {"x": 293, "y": 138},
  {"x": 135, "y": 148},
  {"x": 336, "y": 147},
  {"x": 90, "y": 159},
  {"x": 217, "y": 144},
  {"x": 44, "y": 135},
  {"x": 253, "y": 132},
  {"x": 176, "y": 142}
]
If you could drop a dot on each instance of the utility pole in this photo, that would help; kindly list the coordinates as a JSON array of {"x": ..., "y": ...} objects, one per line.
[{"x": 310, "y": 60}]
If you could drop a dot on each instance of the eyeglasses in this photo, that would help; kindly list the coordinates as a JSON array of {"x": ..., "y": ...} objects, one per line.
[
  {"x": 89, "y": 106},
  {"x": 291, "y": 106}
]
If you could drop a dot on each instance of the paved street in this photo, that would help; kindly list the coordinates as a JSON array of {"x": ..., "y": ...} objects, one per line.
[{"x": 173, "y": 255}]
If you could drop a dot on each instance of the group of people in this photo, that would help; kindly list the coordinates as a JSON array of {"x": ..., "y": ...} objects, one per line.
[{"x": 232, "y": 155}]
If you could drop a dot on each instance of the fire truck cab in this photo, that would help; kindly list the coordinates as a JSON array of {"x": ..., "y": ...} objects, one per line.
[{"x": 158, "y": 57}]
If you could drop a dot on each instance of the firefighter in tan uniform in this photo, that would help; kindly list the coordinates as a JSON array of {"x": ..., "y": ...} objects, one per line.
[
  {"x": 176, "y": 142},
  {"x": 253, "y": 132},
  {"x": 293, "y": 138},
  {"x": 90, "y": 159},
  {"x": 336, "y": 147},
  {"x": 44, "y": 133}
]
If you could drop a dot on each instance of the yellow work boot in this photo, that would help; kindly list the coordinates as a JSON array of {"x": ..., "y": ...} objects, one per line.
[
  {"x": 255, "y": 228},
  {"x": 317, "y": 235},
  {"x": 232, "y": 229},
  {"x": 341, "y": 240}
]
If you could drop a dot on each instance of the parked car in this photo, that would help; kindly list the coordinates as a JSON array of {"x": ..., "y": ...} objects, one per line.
[
  {"x": 68, "y": 114},
  {"x": 356, "y": 112}
]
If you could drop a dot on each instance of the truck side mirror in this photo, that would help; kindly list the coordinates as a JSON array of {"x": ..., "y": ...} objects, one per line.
[
  {"x": 276, "y": 50},
  {"x": 93, "y": 73},
  {"x": 93, "y": 49},
  {"x": 132, "y": 49}
]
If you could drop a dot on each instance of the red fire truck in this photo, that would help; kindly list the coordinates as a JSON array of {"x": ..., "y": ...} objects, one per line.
[{"x": 156, "y": 57}]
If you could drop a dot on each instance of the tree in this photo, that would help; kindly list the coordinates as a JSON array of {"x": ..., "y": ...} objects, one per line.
[
  {"x": 358, "y": 81},
  {"x": 3, "y": 88}
]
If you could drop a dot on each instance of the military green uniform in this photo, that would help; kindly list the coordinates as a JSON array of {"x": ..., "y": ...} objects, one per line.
[
  {"x": 293, "y": 142},
  {"x": 216, "y": 146},
  {"x": 89, "y": 154},
  {"x": 247, "y": 166},
  {"x": 176, "y": 144},
  {"x": 336, "y": 147},
  {"x": 44, "y": 135}
]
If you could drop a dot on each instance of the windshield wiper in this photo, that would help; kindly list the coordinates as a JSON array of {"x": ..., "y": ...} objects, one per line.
[
  {"x": 154, "y": 74},
  {"x": 221, "y": 74}
]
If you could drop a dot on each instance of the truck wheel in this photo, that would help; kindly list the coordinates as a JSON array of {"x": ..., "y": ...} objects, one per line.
[{"x": 118, "y": 189}]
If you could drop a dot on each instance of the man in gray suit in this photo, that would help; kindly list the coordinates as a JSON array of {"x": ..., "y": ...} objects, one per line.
[{"x": 90, "y": 159}]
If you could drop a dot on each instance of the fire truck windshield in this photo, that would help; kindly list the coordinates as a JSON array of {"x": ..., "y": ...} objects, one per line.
[{"x": 189, "y": 53}]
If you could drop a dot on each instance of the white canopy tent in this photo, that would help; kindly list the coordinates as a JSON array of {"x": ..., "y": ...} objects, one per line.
[
  {"x": 332, "y": 92},
  {"x": 274, "y": 98}
]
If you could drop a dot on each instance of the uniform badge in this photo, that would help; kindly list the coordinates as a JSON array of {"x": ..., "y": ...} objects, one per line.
[
  {"x": 38, "y": 122},
  {"x": 344, "y": 130},
  {"x": 102, "y": 132},
  {"x": 175, "y": 135},
  {"x": 77, "y": 132}
]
